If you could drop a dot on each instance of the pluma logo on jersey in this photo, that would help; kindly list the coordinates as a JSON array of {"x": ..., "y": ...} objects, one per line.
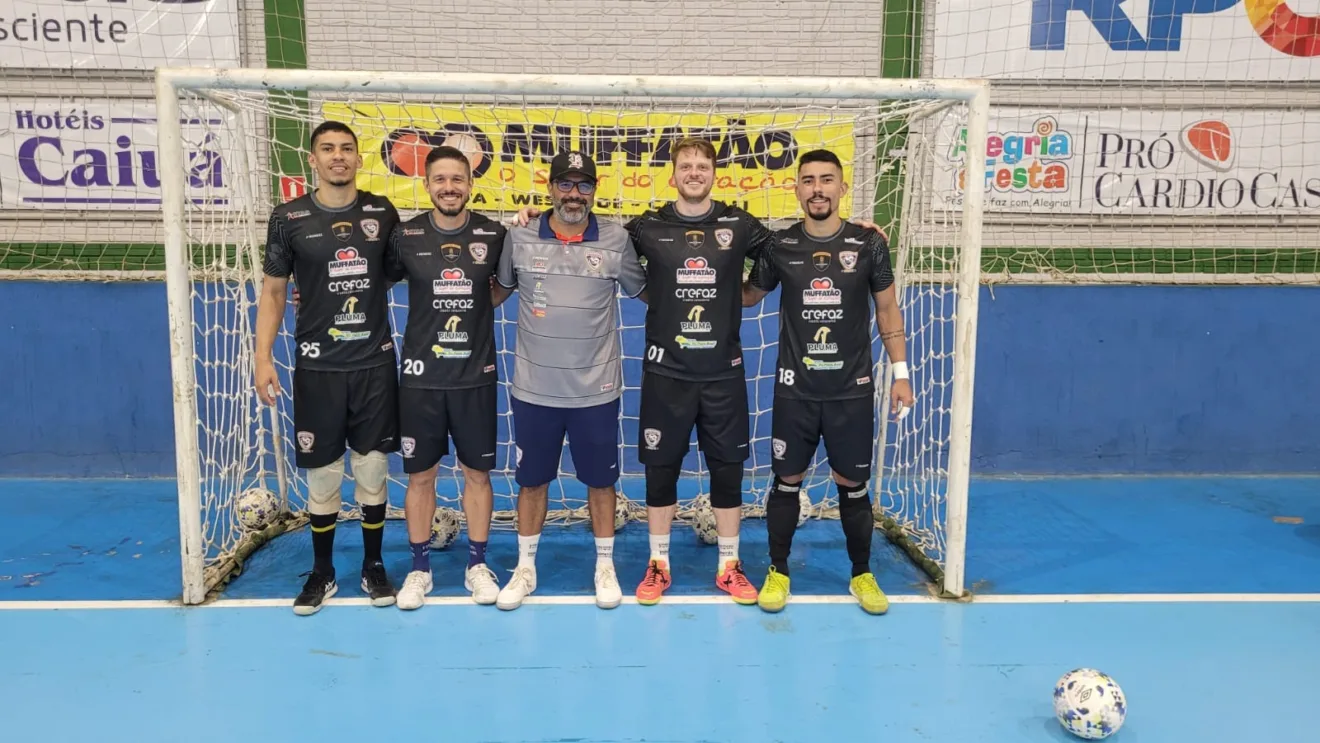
[{"x": 1277, "y": 24}]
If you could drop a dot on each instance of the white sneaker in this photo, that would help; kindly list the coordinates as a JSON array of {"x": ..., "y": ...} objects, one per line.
[
  {"x": 608, "y": 593},
  {"x": 480, "y": 580},
  {"x": 415, "y": 587},
  {"x": 520, "y": 586}
]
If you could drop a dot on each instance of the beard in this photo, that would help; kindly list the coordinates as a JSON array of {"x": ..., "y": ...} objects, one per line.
[
  {"x": 820, "y": 212},
  {"x": 572, "y": 211},
  {"x": 448, "y": 211}
]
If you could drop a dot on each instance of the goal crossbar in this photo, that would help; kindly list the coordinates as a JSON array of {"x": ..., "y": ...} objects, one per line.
[{"x": 171, "y": 81}]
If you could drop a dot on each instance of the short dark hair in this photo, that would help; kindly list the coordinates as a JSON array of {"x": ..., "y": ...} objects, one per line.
[
  {"x": 333, "y": 126},
  {"x": 445, "y": 152},
  {"x": 699, "y": 145},
  {"x": 820, "y": 156}
]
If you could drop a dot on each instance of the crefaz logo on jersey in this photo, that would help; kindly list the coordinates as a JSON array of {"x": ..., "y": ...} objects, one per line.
[
  {"x": 690, "y": 294},
  {"x": 347, "y": 262},
  {"x": 452, "y": 281},
  {"x": 696, "y": 271},
  {"x": 816, "y": 314},
  {"x": 822, "y": 291},
  {"x": 452, "y": 305},
  {"x": 349, "y": 286}
]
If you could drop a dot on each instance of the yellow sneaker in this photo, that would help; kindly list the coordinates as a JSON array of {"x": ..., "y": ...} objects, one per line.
[
  {"x": 868, "y": 594},
  {"x": 774, "y": 594}
]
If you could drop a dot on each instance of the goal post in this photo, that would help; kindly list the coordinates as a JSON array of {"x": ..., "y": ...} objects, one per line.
[{"x": 227, "y": 442}]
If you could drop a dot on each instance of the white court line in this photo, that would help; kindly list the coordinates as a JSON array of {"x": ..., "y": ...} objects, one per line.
[{"x": 1061, "y": 598}]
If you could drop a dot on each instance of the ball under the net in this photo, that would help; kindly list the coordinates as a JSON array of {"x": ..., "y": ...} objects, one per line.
[
  {"x": 445, "y": 526},
  {"x": 1089, "y": 704},
  {"x": 256, "y": 508}
]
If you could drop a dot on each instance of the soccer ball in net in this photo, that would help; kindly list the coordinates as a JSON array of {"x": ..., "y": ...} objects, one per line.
[
  {"x": 703, "y": 520},
  {"x": 444, "y": 528},
  {"x": 1089, "y": 704},
  {"x": 622, "y": 512},
  {"x": 256, "y": 508}
]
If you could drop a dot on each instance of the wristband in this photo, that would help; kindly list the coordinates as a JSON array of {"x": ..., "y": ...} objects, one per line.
[{"x": 900, "y": 369}]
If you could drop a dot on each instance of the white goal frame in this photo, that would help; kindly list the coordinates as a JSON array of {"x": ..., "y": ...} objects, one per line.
[{"x": 170, "y": 81}]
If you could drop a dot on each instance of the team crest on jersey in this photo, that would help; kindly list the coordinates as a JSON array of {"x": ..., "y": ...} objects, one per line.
[
  {"x": 780, "y": 447},
  {"x": 347, "y": 262},
  {"x": 694, "y": 238},
  {"x": 370, "y": 228},
  {"x": 342, "y": 230},
  {"x": 409, "y": 445},
  {"x": 594, "y": 261},
  {"x": 821, "y": 260},
  {"x": 478, "y": 251},
  {"x": 822, "y": 291},
  {"x": 724, "y": 236},
  {"x": 848, "y": 259},
  {"x": 696, "y": 271},
  {"x": 452, "y": 281},
  {"x": 451, "y": 251},
  {"x": 652, "y": 438},
  {"x": 305, "y": 441}
]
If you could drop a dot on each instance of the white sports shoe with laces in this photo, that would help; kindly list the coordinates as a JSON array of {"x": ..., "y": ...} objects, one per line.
[
  {"x": 608, "y": 593},
  {"x": 519, "y": 587},
  {"x": 415, "y": 587},
  {"x": 480, "y": 580}
]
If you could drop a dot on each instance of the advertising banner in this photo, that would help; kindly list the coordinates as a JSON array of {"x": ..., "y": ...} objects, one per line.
[
  {"x": 118, "y": 34},
  {"x": 510, "y": 150},
  {"x": 1210, "y": 40},
  {"x": 1166, "y": 162},
  {"x": 102, "y": 154}
]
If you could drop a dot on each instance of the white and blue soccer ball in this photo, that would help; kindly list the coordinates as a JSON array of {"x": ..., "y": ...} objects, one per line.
[
  {"x": 1089, "y": 704},
  {"x": 256, "y": 508},
  {"x": 445, "y": 526}
]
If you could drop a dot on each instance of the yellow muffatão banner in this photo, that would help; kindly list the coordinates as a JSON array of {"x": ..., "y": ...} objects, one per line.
[{"x": 510, "y": 150}]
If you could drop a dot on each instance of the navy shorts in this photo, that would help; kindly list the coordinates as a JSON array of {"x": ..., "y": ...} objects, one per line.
[{"x": 593, "y": 440}]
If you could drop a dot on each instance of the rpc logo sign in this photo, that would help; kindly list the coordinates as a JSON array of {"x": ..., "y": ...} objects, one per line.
[
  {"x": 1166, "y": 40},
  {"x": 1273, "y": 20}
]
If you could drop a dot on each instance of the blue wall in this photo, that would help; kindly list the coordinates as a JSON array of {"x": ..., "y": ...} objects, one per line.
[{"x": 1069, "y": 380}]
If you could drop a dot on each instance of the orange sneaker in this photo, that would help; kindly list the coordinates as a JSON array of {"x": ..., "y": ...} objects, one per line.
[
  {"x": 733, "y": 581},
  {"x": 653, "y": 586}
]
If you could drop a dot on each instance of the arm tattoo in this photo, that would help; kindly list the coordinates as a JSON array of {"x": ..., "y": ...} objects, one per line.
[{"x": 891, "y": 334}]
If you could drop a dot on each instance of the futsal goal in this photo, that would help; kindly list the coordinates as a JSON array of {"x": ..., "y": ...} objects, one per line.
[{"x": 233, "y": 144}]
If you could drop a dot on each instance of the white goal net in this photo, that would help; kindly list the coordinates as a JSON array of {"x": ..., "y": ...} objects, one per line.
[{"x": 241, "y": 147}]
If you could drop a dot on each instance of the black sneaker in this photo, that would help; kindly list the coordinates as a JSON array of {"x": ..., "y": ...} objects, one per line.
[
  {"x": 376, "y": 584},
  {"x": 315, "y": 591}
]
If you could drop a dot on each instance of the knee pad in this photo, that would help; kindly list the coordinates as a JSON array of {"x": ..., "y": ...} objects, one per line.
[
  {"x": 725, "y": 484},
  {"x": 786, "y": 492},
  {"x": 323, "y": 484},
  {"x": 853, "y": 498},
  {"x": 661, "y": 486},
  {"x": 370, "y": 471}
]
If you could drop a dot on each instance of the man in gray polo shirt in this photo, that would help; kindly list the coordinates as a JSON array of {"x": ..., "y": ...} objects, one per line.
[{"x": 567, "y": 376}]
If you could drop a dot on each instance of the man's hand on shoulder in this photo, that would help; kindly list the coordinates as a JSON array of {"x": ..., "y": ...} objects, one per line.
[{"x": 525, "y": 215}]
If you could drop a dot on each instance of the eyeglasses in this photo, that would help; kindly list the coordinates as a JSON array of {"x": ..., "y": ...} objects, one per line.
[{"x": 583, "y": 187}]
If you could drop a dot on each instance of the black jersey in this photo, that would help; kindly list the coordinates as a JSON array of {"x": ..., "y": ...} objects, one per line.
[
  {"x": 337, "y": 258},
  {"x": 694, "y": 270},
  {"x": 825, "y": 309},
  {"x": 450, "y": 339}
]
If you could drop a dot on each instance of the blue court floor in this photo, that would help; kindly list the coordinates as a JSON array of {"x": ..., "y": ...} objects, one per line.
[{"x": 1200, "y": 596}]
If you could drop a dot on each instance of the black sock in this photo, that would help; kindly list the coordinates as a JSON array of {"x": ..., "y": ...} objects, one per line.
[
  {"x": 323, "y": 543},
  {"x": 858, "y": 526},
  {"x": 781, "y": 517},
  {"x": 373, "y": 533}
]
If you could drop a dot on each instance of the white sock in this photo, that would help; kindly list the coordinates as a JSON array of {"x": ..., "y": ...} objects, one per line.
[
  {"x": 660, "y": 547},
  {"x": 604, "y": 551},
  {"x": 728, "y": 550},
  {"x": 527, "y": 550}
]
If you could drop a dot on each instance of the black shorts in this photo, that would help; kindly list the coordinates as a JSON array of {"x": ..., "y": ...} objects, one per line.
[
  {"x": 428, "y": 418},
  {"x": 670, "y": 407},
  {"x": 361, "y": 406},
  {"x": 848, "y": 427}
]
